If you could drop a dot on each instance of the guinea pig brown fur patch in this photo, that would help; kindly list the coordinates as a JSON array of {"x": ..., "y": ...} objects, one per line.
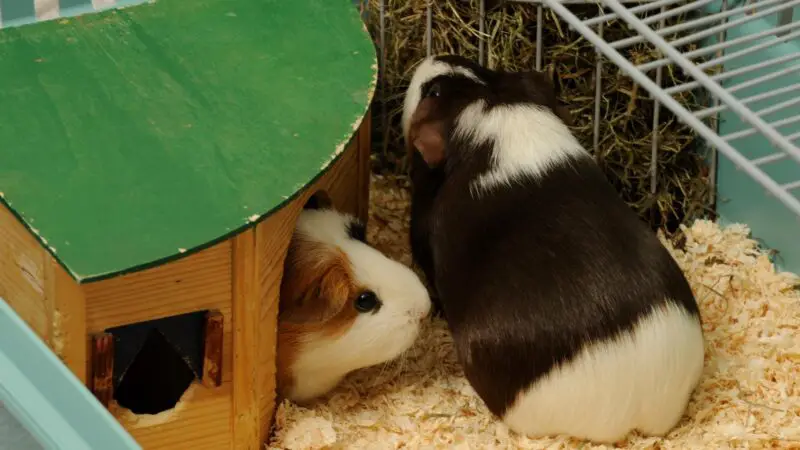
[
  {"x": 426, "y": 133},
  {"x": 316, "y": 288}
]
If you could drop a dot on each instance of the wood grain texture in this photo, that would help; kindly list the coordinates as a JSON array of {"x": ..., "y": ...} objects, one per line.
[
  {"x": 102, "y": 385},
  {"x": 255, "y": 324},
  {"x": 364, "y": 139},
  {"x": 67, "y": 305},
  {"x": 212, "y": 350},
  {"x": 42, "y": 293},
  {"x": 22, "y": 277},
  {"x": 258, "y": 267},
  {"x": 198, "y": 282},
  {"x": 200, "y": 421},
  {"x": 272, "y": 242},
  {"x": 245, "y": 342},
  {"x": 343, "y": 181}
]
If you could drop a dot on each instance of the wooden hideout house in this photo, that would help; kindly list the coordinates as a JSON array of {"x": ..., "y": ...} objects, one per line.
[{"x": 153, "y": 159}]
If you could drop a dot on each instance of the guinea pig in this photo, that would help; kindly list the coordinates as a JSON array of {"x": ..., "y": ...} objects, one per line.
[
  {"x": 344, "y": 305},
  {"x": 567, "y": 313},
  {"x": 425, "y": 181}
]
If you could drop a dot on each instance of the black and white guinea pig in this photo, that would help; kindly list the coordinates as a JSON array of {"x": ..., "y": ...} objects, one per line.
[
  {"x": 344, "y": 305},
  {"x": 425, "y": 181},
  {"x": 568, "y": 315}
]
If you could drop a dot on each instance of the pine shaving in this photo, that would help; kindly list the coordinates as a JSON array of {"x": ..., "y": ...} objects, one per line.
[{"x": 749, "y": 396}]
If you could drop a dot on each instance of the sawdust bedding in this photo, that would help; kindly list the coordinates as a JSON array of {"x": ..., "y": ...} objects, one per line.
[{"x": 749, "y": 396}]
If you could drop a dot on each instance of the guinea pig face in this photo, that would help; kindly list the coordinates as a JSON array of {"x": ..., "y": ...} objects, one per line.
[
  {"x": 344, "y": 305},
  {"x": 442, "y": 87}
]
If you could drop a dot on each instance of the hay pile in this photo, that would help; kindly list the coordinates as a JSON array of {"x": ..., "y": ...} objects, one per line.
[
  {"x": 624, "y": 150},
  {"x": 749, "y": 396}
]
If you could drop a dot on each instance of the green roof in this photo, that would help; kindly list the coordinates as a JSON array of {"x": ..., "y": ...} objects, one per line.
[{"x": 131, "y": 136}]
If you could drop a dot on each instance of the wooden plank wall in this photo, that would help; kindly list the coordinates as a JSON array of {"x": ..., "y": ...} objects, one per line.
[
  {"x": 42, "y": 293},
  {"x": 347, "y": 184}
]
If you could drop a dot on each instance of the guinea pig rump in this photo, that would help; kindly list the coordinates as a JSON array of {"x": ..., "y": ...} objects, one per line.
[{"x": 641, "y": 380}]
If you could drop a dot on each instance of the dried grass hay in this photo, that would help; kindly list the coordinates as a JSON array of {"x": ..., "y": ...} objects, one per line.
[{"x": 624, "y": 150}]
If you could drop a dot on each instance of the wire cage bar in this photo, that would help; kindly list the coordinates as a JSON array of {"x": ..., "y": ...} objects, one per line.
[
  {"x": 714, "y": 19},
  {"x": 730, "y": 15}
]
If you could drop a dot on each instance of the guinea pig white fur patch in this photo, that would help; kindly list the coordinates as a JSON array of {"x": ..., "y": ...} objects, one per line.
[
  {"x": 641, "y": 380},
  {"x": 528, "y": 141},
  {"x": 372, "y": 338}
]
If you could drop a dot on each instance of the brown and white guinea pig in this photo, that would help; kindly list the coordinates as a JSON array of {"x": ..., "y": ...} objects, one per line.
[
  {"x": 568, "y": 315},
  {"x": 344, "y": 305}
]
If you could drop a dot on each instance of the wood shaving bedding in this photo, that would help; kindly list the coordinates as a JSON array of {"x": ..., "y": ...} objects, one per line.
[{"x": 749, "y": 396}]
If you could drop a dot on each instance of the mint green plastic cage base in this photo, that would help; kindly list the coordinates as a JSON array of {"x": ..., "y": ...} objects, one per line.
[{"x": 43, "y": 405}]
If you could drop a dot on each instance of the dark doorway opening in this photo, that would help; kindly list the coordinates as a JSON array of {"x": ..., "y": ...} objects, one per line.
[
  {"x": 319, "y": 200},
  {"x": 156, "y": 361}
]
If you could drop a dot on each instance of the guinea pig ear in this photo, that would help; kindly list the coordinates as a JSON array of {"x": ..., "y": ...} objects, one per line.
[
  {"x": 563, "y": 113},
  {"x": 316, "y": 285},
  {"x": 542, "y": 82},
  {"x": 427, "y": 134}
]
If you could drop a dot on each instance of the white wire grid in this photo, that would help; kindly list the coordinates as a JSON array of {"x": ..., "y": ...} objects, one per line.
[{"x": 730, "y": 14}]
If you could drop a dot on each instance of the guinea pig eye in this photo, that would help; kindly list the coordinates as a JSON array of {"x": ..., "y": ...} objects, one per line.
[
  {"x": 434, "y": 90},
  {"x": 367, "y": 302}
]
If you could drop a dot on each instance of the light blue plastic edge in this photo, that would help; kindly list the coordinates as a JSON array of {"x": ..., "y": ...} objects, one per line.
[
  {"x": 739, "y": 198},
  {"x": 47, "y": 398},
  {"x": 72, "y": 10}
]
